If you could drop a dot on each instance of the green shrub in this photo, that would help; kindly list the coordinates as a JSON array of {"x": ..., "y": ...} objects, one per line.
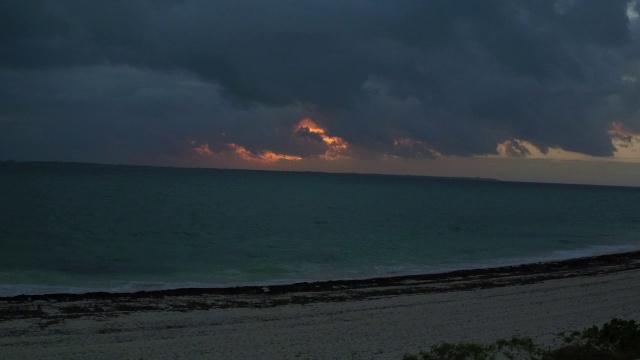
[{"x": 615, "y": 340}]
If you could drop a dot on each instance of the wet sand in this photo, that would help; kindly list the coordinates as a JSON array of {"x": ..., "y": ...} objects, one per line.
[{"x": 380, "y": 318}]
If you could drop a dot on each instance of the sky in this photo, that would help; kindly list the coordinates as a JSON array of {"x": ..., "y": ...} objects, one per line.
[{"x": 525, "y": 90}]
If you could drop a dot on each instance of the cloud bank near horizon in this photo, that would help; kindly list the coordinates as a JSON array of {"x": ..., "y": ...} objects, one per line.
[{"x": 287, "y": 80}]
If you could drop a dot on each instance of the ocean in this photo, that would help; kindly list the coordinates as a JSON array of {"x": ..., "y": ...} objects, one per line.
[{"x": 74, "y": 228}]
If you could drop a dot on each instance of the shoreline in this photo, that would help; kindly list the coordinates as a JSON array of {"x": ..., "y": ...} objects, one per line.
[
  {"x": 359, "y": 289},
  {"x": 580, "y": 259},
  {"x": 381, "y": 318}
]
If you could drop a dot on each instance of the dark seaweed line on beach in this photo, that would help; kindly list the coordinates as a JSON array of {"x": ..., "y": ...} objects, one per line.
[{"x": 53, "y": 308}]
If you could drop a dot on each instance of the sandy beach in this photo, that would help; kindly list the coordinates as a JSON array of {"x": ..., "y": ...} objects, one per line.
[{"x": 360, "y": 319}]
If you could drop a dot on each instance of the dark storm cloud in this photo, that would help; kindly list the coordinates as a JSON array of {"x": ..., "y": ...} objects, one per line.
[{"x": 457, "y": 77}]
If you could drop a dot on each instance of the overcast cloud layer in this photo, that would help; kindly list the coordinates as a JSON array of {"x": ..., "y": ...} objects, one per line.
[{"x": 117, "y": 80}]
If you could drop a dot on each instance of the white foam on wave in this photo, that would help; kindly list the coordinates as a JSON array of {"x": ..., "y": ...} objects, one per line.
[
  {"x": 9, "y": 290},
  {"x": 557, "y": 255},
  {"x": 594, "y": 250}
]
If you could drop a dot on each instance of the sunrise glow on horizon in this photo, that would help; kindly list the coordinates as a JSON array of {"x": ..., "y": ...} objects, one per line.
[{"x": 442, "y": 88}]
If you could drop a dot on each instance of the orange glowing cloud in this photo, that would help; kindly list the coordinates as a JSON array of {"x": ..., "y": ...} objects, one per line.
[
  {"x": 202, "y": 149},
  {"x": 264, "y": 156},
  {"x": 234, "y": 150},
  {"x": 336, "y": 146}
]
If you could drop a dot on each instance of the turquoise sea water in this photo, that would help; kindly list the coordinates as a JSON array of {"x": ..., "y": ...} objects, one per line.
[{"x": 78, "y": 228}]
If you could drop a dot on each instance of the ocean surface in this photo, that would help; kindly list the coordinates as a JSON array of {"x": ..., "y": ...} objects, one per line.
[{"x": 80, "y": 227}]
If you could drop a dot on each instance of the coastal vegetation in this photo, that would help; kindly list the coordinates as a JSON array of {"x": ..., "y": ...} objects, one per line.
[{"x": 615, "y": 340}]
